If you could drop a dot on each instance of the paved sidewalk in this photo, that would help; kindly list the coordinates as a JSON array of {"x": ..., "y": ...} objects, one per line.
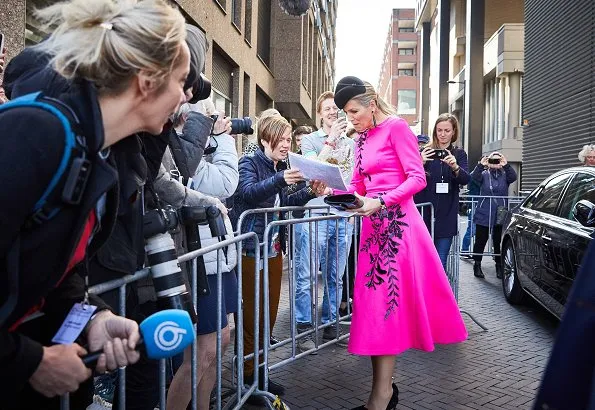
[{"x": 497, "y": 369}]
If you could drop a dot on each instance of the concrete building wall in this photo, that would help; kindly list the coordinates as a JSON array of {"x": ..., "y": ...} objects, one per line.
[
  {"x": 434, "y": 81},
  {"x": 399, "y": 73},
  {"x": 499, "y": 12},
  {"x": 12, "y": 25},
  {"x": 297, "y": 61},
  {"x": 497, "y": 71}
]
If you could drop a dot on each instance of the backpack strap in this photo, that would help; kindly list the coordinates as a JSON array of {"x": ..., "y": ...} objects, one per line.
[
  {"x": 76, "y": 169},
  {"x": 48, "y": 205}
]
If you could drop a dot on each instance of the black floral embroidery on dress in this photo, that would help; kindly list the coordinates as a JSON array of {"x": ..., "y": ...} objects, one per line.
[
  {"x": 383, "y": 263},
  {"x": 360, "y": 144}
]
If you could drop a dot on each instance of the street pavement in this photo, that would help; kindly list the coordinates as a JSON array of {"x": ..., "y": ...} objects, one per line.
[{"x": 496, "y": 369}]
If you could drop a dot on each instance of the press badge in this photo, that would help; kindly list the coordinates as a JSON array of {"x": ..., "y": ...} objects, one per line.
[
  {"x": 75, "y": 322},
  {"x": 442, "y": 187}
]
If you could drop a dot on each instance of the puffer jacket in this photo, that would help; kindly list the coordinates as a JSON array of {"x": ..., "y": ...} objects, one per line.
[
  {"x": 493, "y": 183},
  {"x": 259, "y": 185},
  {"x": 218, "y": 176}
]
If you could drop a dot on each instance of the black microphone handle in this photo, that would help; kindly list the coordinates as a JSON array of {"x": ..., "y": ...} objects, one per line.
[{"x": 90, "y": 360}]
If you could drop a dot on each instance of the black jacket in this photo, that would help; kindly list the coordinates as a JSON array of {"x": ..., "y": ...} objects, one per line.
[
  {"x": 258, "y": 187},
  {"x": 123, "y": 253},
  {"x": 33, "y": 141}
]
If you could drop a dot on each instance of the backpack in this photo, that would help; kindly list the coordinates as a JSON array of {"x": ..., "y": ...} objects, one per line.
[
  {"x": 73, "y": 170},
  {"x": 76, "y": 168}
]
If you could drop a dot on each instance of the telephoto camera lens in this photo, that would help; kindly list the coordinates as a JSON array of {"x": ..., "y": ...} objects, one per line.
[
  {"x": 168, "y": 280},
  {"x": 241, "y": 126}
]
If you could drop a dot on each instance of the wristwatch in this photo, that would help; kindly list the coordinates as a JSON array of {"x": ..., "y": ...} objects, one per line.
[{"x": 382, "y": 203}]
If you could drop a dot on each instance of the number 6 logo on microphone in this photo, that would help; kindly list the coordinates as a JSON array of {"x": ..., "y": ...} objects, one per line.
[{"x": 167, "y": 333}]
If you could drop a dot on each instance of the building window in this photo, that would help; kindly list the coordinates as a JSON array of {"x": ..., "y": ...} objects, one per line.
[
  {"x": 406, "y": 52},
  {"x": 221, "y": 102},
  {"x": 406, "y": 71},
  {"x": 222, "y": 82},
  {"x": 263, "y": 102},
  {"x": 246, "y": 97},
  {"x": 222, "y": 4},
  {"x": 305, "y": 49},
  {"x": 264, "y": 31},
  {"x": 406, "y": 101},
  {"x": 236, "y": 13},
  {"x": 248, "y": 21},
  {"x": 406, "y": 30}
]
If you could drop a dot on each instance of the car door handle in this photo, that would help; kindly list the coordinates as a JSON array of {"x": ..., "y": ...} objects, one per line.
[{"x": 546, "y": 238}]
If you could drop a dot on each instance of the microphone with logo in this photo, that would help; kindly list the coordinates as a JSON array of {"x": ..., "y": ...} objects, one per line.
[{"x": 164, "y": 334}]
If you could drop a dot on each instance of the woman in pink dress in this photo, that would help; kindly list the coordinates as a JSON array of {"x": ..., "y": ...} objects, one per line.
[{"x": 402, "y": 298}]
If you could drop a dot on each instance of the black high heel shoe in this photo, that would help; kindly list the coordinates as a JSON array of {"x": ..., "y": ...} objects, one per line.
[{"x": 392, "y": 404}]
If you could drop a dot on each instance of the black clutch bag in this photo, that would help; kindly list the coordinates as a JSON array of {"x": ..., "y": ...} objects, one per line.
[{"x": 344, "y": 201}]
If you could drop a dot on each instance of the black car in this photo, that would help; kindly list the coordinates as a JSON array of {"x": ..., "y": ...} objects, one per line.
[{"x": 546, "y": 237}]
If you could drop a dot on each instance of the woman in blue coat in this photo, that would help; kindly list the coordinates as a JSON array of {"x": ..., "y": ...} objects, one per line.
[
  {"x": 446, "y": 169},
  {"x": 494, "y": 174},
  {"x": 265, "y": 182}
]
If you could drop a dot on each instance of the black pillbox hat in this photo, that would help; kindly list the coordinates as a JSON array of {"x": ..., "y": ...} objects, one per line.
[{"x": 347, "y": 88}]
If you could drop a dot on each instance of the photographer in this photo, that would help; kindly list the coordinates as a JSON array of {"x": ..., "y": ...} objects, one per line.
[
  {"x": 494, "y": 175},
  {"x": 137, "y": 160},
  {"x": 48, "y": 256},
  {"x": 446, "y": 169},
  {"x": 217, "y": 176}
]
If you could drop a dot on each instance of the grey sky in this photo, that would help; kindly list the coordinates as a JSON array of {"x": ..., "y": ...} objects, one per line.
[{"x": 362, "y": 27}]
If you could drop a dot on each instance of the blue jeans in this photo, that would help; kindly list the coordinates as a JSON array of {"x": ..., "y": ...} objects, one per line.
[
  {"x": 326, "y": 245},
  {"x": 469, "y": 233},
  {"x": 443, "y": 247}
]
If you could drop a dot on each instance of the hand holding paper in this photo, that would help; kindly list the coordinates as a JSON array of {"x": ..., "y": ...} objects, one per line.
[{"x": 316, "y": 170}]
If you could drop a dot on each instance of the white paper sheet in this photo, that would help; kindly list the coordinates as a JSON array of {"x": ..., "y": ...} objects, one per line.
[{"x": 314, "y": 169}]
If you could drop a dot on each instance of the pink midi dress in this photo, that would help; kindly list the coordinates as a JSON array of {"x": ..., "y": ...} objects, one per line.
[{"x": 402, "y": 298}]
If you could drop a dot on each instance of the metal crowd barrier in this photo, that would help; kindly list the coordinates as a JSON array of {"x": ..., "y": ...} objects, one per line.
[
  {"x": 121, "y": 284},
  {"x": 290, "y": 257},
  {"x": 472, "y": 202},
  {"x": 240, "y": 391}
]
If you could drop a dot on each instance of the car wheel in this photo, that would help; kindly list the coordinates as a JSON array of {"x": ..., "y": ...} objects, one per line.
[{"x": 513, "y": 291}]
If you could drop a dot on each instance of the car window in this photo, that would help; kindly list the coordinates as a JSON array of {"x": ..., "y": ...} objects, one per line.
[
  {"x": 548, "y": 198},
  {"x": 582, "y": 186}
]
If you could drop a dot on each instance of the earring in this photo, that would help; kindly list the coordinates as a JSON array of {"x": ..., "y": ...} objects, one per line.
[{"x": 373, "y": 119}]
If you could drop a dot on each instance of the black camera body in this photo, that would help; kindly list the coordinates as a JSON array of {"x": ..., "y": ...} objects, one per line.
[
  {"x": 201, "y": 89},
  {"x": 156, "y": 221},
  {"x": 494, "y": 161},
  {"x": 169, "y": 281},
  {"x": 439, "y": 154}
]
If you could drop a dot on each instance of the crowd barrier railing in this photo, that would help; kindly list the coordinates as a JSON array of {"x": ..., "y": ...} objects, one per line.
[
  {"x": 471, "y": 204},
  {"x": 121, "y": 285},
  {"x": 241, "y": 392}
]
